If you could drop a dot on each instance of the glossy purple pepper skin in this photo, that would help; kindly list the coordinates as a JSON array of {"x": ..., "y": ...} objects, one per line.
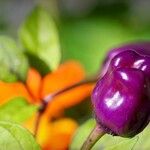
[
  {"x": 121, "y": 97},
  {"x": 142, "y": 48}
]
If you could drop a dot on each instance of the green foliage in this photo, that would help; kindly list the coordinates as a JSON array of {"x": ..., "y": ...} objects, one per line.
[
  {"x": 89, "y": 39},
  {"x": 125, "y": 144},
  {"x": 13, "y": 63},
  {"x": 108, "y": 142},
  {"x": 15, "y": 137},
  {"x": 81, "y": 134},
  {"x": 17, "y": 110},
  {"x": 40, "y": 38}
]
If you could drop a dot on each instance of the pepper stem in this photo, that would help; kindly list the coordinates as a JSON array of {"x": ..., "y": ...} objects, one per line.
[{"x": 94, "y": 136}]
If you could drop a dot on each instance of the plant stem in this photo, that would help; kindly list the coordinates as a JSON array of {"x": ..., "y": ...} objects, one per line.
[
  {"x": 41, "y": 110},
  {"x": 37, "y": 122},
  {"x": 94, "y": 136},
  {"x": 50, "y": 97}
]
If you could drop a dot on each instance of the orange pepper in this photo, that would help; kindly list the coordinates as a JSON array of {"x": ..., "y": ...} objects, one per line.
[
  {"x": 66, "y": 75},
  {"x": 11, "y": 90},
  {"x": 54, "y": 135},
  {"x": 33, "y": 83},
  {"x": 60, "y": 134},
  {"x": 37, "y": 88}
]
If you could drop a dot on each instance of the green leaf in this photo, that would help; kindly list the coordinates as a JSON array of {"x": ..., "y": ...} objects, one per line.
[
  {"x": 15, "y": 137},
  {"x": 17, "y": 110},
  {"x": 125, "y": 144},
  {"x": 81, "y": 134},
  {"x": 109, "y": 142},
  {"x": 13, "y": 63},
  {"x": 40, "y": 38}
]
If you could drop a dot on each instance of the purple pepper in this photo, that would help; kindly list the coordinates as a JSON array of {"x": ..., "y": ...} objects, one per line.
[
  {"x": 121, "y": 98},
  {"x": 142, "y": 48}
]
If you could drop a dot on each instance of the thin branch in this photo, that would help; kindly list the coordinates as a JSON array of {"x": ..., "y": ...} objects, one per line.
[
  {"x": 41, "y": 110},
  {"x": 37, "y": 123},
  {"x": 50, "y": 97}
]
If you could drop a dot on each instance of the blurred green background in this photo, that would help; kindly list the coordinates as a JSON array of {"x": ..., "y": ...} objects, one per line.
[{"x": 87, "y": 28}]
